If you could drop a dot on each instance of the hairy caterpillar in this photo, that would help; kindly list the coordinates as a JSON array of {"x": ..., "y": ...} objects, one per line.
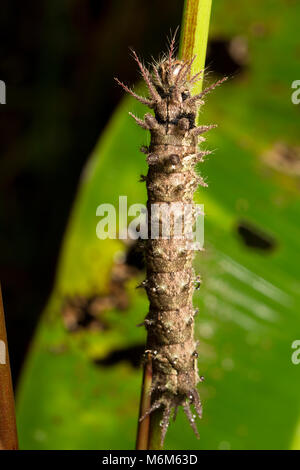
[{"x": 171, "y": 156}]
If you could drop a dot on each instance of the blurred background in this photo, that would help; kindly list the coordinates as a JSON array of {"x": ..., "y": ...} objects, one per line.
[{"x": 67, "y": 145}]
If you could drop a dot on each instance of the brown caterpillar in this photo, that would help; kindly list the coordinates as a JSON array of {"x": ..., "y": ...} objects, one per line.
[{"x": 171, "y": 156}]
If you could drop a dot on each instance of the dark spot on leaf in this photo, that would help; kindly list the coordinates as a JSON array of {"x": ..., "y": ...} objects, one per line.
[
  {"x": 84, "y": 313},
  {"x": 284, "y": 158},
  {"x": 80, "y": 312},
  {"x": 132, "y": 354},
  {"x": 135, "y": 256},
  {"x": 227, "y": 57},
  {"x": 254, "y": 237}
]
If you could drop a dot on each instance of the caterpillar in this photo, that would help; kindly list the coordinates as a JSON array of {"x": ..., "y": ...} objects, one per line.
[{"x": 171, "y": 156}]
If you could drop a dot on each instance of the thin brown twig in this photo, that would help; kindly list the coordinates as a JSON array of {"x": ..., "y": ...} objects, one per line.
[
  {"x": 8, "y": 429},
  {"x": 145, "y": 403}
]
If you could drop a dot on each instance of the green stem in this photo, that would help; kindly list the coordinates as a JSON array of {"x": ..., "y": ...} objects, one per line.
[
  {"x": 193, "y": 42},
  {"x": 154, "y": 442},
  {"x": 194, "y": 35}
]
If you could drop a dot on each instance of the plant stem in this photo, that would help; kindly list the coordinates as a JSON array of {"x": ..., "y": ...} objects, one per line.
[
  {"x": 143, "y": 426},
  {"x": 154, "y": 442},
  {"x": 194, "y": 35},
  {"x": 8, "y": 430}
]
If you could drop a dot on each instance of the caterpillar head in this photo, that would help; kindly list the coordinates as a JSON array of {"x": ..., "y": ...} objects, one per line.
[
  {"x": 171, "y": 78},
  {"x": 168, "y": 71}
]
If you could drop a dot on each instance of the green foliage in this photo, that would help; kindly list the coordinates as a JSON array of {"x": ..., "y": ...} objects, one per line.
[{"x": 249, "y": 301}]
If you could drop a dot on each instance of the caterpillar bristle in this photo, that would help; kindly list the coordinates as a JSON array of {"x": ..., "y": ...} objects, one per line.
[
  {"x": 141, "y": 99},
  {"x": 165, "y": 423},
  {"x": 139, "y": 122},
  {"x": 147, "y": 77},
  {"x": 190, "y": 417}
]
